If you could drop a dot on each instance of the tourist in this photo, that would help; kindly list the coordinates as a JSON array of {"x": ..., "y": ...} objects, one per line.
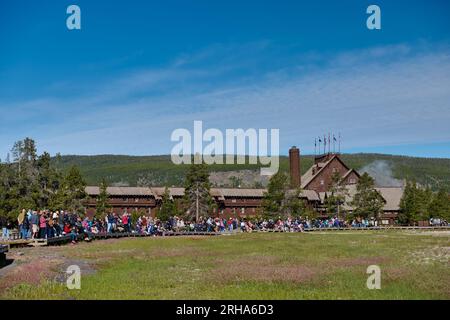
[
  {"x": 3, "y": 225},
  {"x": 20, "y": 222},
  {"x": 34, "y": 221},
  {"x": 125, "y": 222},
  {"x": 50, "y": 227},
  {"x": 110, "y": 222},
  {"x": 42, "y": 225}
]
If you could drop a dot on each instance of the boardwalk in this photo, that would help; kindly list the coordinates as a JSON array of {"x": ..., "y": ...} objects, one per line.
[{"x": 99, "y": 236}]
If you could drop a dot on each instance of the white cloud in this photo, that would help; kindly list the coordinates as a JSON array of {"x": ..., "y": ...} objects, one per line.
[{"x": 374, "y": 97}]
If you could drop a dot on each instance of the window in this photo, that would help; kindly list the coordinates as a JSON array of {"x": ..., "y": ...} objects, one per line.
[
  {"x": 352, "y": 180},
  {"x": 242, "y": 210},
  {"x": 334, "y": 170},
  {"x": 322, "y": 182}
]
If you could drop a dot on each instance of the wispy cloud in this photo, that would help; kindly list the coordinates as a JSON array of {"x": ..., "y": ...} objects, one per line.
[{"x": 375, "y": 97}]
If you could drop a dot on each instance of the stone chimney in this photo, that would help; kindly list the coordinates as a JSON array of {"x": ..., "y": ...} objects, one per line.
[{"x": 294, "y": 166}]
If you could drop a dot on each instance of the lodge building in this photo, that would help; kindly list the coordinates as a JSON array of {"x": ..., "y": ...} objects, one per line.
[{"x": 315, "y": 184}]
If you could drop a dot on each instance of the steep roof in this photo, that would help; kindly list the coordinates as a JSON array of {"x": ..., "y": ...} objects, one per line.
[
  {"x": 309, "y": 176},
  {"x": 392, "y": 196},
  {"x": 348, "y": 173}
]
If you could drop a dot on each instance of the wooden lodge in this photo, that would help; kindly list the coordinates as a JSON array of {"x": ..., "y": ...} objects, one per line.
[{"x": 315, "y": 184}]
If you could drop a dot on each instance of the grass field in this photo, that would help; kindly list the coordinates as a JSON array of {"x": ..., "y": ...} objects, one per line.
[{"x": 331, "y": 265}]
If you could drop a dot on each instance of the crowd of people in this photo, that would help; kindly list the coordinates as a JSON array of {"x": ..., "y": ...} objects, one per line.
[{"x": 46, "y": 224}]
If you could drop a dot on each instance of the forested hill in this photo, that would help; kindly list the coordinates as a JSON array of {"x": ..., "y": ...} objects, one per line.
[{"x": 122, "y": 170}]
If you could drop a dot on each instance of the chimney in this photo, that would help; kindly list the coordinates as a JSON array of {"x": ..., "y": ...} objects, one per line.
[{"x": 294, "y": 166}]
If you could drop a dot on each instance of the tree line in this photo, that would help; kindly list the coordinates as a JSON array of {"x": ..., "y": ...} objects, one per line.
[
  {"x": 420, "y": 204},
  {"x": 32, "y": 181}
]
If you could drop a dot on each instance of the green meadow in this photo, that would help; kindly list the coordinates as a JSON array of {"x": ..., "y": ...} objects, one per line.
[{"x": 320, "y": 265}]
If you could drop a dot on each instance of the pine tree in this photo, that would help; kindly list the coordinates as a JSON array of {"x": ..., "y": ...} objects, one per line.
[
  {"x": 102, "y": 204},
  {"x": 25, "y": 185},
  {"x": 274, "y": 198},
  {"x": 337, "y": 195},
  {"x": 440, "y": 205},
  {"x": 49, "y": 181},
  {"x": 197, "y": 191},
  {"x": 235, "y": 182},
  {"x": 294, "y": 206},
  {"x": 168, "y": 207},
  {"x": 73, "y": 191},
  {"x": 280, "y": 201},
  {"x": 415, "y": 203},
  {"x": 367, "y": 202}
]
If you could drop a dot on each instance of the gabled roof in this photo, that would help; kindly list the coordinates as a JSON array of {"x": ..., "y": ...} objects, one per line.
[
  {"x": 309, "y": 176},
  {"x": 348, "y": 173},
  {"x": 310, "y": 195},
  {"x": 392, "y": 195}
]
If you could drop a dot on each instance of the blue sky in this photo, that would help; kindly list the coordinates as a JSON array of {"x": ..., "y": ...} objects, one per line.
[{"x": 137, "y": 70}]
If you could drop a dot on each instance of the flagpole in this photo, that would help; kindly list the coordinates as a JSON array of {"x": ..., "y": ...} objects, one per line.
[
  {"x": 339, "y": 142},
  {"x": 315, "y": 146},
  {"x": 329, "y": 143},
  {"x": 319, "y": 145},
  {"x": 334, "y": 144}
]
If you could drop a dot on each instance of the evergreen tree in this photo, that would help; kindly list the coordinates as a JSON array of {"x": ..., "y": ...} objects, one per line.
[
  {"x": 73, "y": 191},
  {"x": 367, "y": 202},
  {"x": 408, "y": 207},
  {"x": 168, "y": 207},
  {"x": 440, "y": 205},
  {"x": 279, "y": 200},
  {"x": 336, "y": 195},
  {"x": 25, "y": 185},
  {"x": 102, "y": 205},
  {"x": 294, "y": 206},
  {"x": 274, "y": 198},
  {"x": 197, "y": 191},
  {"x": 235, "y": 182},
  {"x": 49, "y": 181},
  {"x": 415, "y": 203}
]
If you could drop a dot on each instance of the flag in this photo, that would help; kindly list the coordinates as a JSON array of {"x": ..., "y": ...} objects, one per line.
[{"x": 334, "y": 138}]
